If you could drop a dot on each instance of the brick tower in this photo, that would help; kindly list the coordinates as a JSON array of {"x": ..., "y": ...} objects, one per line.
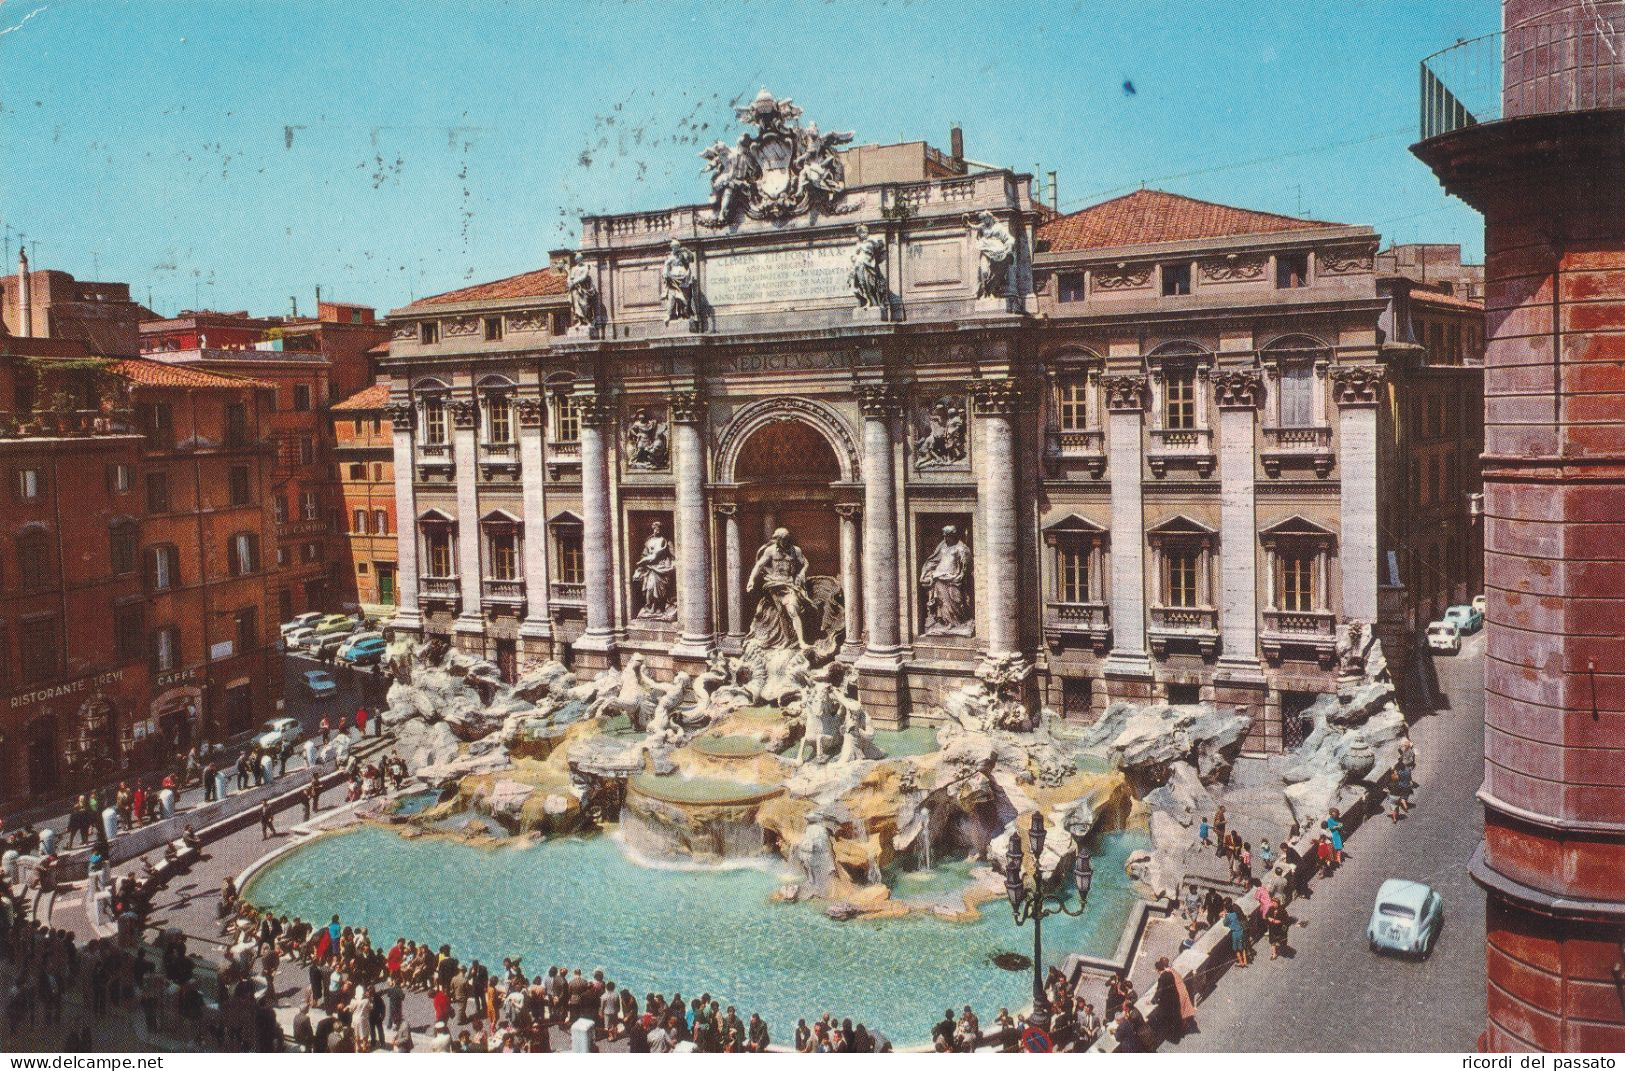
[{"x": 1540, "y": 151}]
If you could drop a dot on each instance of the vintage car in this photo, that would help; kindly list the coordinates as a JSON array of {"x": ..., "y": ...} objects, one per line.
[
  {"x": 1406, "y": 918},
  {"x": 1444, "y": 636},
  {"x": 319, "y": 684},
  {"x": 298, "y": 622},
  {"x": 1465, "y": 617},
  {"x": 362, "y": 649},
  {"x": 279, "y": 733}
]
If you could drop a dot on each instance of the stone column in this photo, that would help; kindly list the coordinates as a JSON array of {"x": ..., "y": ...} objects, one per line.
[
  {"x": 407, "y": 617},
  {"x": 464, "y": 418},
  {"x": 880, "y": 550},
  {"x": 996, "y": 404},
  {"x": 1237, "y": 392},
  {"x": 851, "y": 577},
  {"x": 733, "y": 566},
  {"x": 597, "y": 530},
  {"x": 1358, "y": 390},
  {"x": 880, "y": 677},
  {"x": 533, "y": 479},
  {"x": 1125, "y": 452},
  {"x": 692, "y": 533}
]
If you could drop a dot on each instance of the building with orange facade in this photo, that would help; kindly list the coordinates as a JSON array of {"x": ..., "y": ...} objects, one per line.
[{"x": 363, "y": 446}]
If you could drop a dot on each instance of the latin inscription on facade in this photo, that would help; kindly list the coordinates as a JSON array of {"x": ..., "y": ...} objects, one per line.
[
  {"x": 779, "y": 275},
  {"x": 784, "y": 362}
]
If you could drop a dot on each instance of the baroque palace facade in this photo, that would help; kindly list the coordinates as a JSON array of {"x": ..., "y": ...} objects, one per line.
[{"x": 910, "y": 424}]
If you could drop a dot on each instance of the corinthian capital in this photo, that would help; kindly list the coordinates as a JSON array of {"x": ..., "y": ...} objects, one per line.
[
  {"x": 1237, "y": 388},
  {"x": 1124, "y": 394},
  {"x": 997, "y": 397},
  {"x": 1356, "y": 384}
]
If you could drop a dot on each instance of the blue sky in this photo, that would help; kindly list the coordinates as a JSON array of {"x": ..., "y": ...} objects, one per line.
[{"x": 231, "y": 154}]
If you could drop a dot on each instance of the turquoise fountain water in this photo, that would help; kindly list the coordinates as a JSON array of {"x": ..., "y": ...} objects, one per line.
[{"x": 582, "y": 902}]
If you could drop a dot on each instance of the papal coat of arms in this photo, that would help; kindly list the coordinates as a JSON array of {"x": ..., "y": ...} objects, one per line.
[{"x": 782, "y": 170}]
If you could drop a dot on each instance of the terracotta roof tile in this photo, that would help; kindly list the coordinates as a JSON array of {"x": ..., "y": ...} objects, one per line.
[
  {"x": 144, "y": 373},
  {"x": 539, "y": 283},
  {"x": 373, "y": 397},
  {"x": 1449, "y": 301},
  {"x": 1146, "y": 217}
]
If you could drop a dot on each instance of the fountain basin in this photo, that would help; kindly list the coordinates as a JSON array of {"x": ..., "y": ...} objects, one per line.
[
  {"x": 704, "y": 818},
  {"x": 583, "y": 902}
]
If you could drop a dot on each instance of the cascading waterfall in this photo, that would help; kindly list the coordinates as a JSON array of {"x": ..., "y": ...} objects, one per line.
[
  {"x": 924, "y": 854},
  {"x": 875, "y": 876}
]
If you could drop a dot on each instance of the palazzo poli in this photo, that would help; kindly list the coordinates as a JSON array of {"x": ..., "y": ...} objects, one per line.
[{"x": 879, "y": 405}]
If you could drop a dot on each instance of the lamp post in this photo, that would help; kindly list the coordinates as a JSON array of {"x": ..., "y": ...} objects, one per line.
[{"x": 1030, "y": 901}]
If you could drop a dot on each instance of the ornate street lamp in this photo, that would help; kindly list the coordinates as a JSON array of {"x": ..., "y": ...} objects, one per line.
[{"x": 1031, "y": 901}]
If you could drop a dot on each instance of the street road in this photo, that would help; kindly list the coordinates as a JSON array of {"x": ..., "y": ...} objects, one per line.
[{"x": 1335, "y": 995}]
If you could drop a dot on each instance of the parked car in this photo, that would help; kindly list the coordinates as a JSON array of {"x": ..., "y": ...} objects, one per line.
[
  {"x": 1406, "y": 918},
  {"x": 326, "y": 644},
  {"x": 1444, "y": 636},
  {"x": 298, "y": 639},
  {"x": 362, "y": 649},
  {"x": 279, "y": 733},
  {"x": 299, "y": 621},
  {"x": 331, "y": 623},
  {"x": 319, "y": 684},
  {"x": 1465, "y": 617},
  {"x": 1481, "y": 603}
]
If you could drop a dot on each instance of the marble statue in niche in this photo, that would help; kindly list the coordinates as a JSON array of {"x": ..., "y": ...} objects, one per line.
[
  {"x": 946, "y": 579},
  {"x": 655, "y": 576}
]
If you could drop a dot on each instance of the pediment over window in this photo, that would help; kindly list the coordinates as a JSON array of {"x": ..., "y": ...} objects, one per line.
[
  {"x": 501, "y": 516},
  {"x": 1073, "y": 527},
  {"x": 1181, "y": 527},
  {"x": 434, "y": 516},
  {"x": 565, "y": 518},
  {"x": 1296, "y": 527}
]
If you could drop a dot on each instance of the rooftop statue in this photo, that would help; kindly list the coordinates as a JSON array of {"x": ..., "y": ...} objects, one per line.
[{"x": 780, "y": 171}]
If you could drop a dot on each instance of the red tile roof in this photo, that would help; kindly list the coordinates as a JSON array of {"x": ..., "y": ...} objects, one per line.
[
  {"x": 539, "y": 283},
  {"x": 1449, "y": 301},
  {"x": 373, "y": 397},
  {"x": 1146, "y": 217},
  {"x": 145, "y": 373}
]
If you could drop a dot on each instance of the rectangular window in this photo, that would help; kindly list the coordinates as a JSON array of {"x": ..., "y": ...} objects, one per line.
[
  {"x": 248, "y": 629},
  {"x": 1296, "y": 581},
  {"x": 434, "y": 422},
  {"x": 123, "y": 545},
  {"x": 1179, "y": 398},
  {"x": 1291, "y": 270},
  {"x": 439, "y": 557},
  {"x": 244, "y": 553},
  {"x": 377, "y": 472},
  {"x": 1074, "y": 573},
  {"x": 158, "y": 422},
  {"x": 499, "y": 422},
  {"x": 359, "y": 522},
  {"x": 429, "y": 332},
  {"x": 282, "y": 559},
  {"x": 361, "y": 568},
  {"x": 157, "y": 492},
  {"x": 568, "y": 427},
  {"x": 493, "y": 328},
  {"x": 1176, "y": 279},
  {"x": 307, "y": 451},
  {"x": 380, "y": 522},
  {"x": 1182, "y": 566},
  {"x": 301, "y": 397},
  {"x": 119, "y": 479},
  {"x": 163, "y": 568},
  {"x": 1297, "y": 394},
  {"x": 504, "y": 559},
  {"x": 1070, "y": 286},
  {"x": 1074, "y": 404},
  {"x": 572, "y": 561},
  {"x": 358, "y": 471},
  {"x": 309, "y": 508},
  {"x": 236, "y": 424},
  {"x": 279, "y": 509},
  {"x": 41, "y": 657},
  {"x": 129, "y": 631},
  {"x": 237, "y": 480},
  {"x": 30, "y": 484},
  {"x": 377, "y": 425},
  {"x": 310, "y": 552},
  {"x": 166, "y": 649},
  {"x": 1449, "y": 478},
  {"x": 34, "y": 562}
]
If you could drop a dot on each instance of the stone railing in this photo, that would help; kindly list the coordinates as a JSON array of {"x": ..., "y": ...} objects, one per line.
[
  {"x": 1314, "y": 629},
  {"x": 1196, "y": 623},
  {"x": 1088, "y": 621},
  {"x": 440, "y": 587},
  {"x": 504, "y": 591},
  {"x": 1087, "y": 445},
  {"x": 1184, "y": 445},
  {"x": 569, "y": 594},
  {"x": 1311, "y": 445},
  {"x": 434, "y": 450},
  {"x": 497, "y": 449}
]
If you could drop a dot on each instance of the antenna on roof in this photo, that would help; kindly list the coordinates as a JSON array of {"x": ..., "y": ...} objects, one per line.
[
  {"x": 318, "y": 295},
  {"x": 293, "y": 302}
]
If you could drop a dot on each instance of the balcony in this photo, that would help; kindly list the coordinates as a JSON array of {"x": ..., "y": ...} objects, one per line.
[
  {"x": 1539, "y": 69},
  {"x": 1084, "y": 445},
  {"x": 1087, "y": 623},
  {"x": 1181, "y": 446},
  {"x": 562, "y": 456},
  {"x": 1196, "y": 625},
  {"x": 445, "y": 591},
  {"x": 502, "y": 595},
  {"x": 1314, "y": 630},
  {"x": 1300, "y": 447},
  {"x": 569, "y": 593}
]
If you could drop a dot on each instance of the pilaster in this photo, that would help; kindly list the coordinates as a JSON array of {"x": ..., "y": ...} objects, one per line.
[
  {"x": 693, "y": 535},
  {"x": 1357, "y": 389},
  {"x": 597, "y": 643},
  {"x": 537, "y": 625},
  {"x": 1125, "y": 412},
  {"x": 407, "y": 616},
  {"x": 997, "y": 401},
  {"x": 464, "y": 418}
]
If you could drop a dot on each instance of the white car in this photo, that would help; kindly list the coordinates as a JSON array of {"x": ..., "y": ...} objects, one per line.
[
  {"x": 299, "y": 621},
  {"x": 1481, "y": 603},
  {"x": 1443, "y": 636},
  {"x": 298, "y": 639},
  {"x": 280, "y": 732}
]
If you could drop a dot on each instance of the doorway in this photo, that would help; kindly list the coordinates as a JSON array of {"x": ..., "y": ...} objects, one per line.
[
  {"x": 42, "y": 752},
  {"x": 508, "y": 660}
]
